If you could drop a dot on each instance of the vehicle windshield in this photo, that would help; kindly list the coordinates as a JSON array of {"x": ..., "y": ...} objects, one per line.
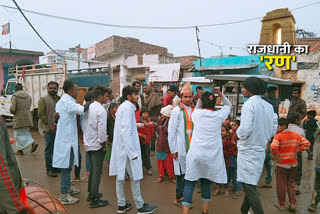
[{"x": 10, "y": 88}]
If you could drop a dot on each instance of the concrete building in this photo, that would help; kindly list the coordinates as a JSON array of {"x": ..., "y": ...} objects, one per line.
[
  {"x": 132, "y": 59},
  {"x": 72, "y": 58},
  {"x": 10, "y": 57}
]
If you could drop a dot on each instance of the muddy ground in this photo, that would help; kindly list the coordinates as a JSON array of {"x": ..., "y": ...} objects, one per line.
[{"x": 32, "y": 167}]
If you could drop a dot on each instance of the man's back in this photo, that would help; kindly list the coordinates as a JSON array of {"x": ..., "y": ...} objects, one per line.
[{"x": 257, "y": 124}]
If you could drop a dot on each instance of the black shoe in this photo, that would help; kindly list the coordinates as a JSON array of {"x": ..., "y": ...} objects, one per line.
[
  {"x": 125, "y": 208},
  {"x": 98, "y": 203},
  {"x": 147, "y": 209},
  {"x": 51, "y": 173},
  {"x": 90, "y": 198}
]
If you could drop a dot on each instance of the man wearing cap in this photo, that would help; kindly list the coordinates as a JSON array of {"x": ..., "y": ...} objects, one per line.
[
  {"x": 258, "y": 125},
  {"x": 179, "y": 138}
]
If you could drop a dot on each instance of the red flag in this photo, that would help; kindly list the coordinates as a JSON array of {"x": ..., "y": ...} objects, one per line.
[{"x": 6, "y": 29}]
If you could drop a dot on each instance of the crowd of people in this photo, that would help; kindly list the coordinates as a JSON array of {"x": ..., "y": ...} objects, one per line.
[{"x": 195, "y": 142}]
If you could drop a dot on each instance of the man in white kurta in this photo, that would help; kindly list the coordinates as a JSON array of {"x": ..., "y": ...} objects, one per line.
[
  {"x": 126, "y": 153},
  {"x": 65, "y": 153},
  {"x": 178, "y": 138},
  {"x": 258, "y": 125}
]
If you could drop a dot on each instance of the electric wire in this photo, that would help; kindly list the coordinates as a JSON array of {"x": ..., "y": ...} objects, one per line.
[
  {"x": 147, "y": 27},
  {"x": 35, "y": 29}
]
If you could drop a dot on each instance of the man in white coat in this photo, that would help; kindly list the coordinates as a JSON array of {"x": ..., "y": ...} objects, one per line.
[
  {"x": 126, "y": 153},
  {"x": 258, "y": 125},
  {"x": 65, "y": 153},
  {"x": 179, "y": 138}
]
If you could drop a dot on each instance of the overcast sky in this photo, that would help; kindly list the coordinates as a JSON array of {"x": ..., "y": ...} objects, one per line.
[{"x": 63, "y": 34}]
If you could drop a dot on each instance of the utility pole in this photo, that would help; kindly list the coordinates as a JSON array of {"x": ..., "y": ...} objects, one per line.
[{"x": 198, "y": 42}]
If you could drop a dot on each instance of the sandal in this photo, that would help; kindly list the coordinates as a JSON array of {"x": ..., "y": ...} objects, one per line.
[
  {"x": 277, "y": 205},
  {"x": 34, "y": 147},
  {"x": 159, "y": 180},
  {"x": 173, "y": 180},
  {"x": 178, "y": 202},
  {"x": 215, "y": 193},
  {"x": 292, "y": 209},
  {"x": 226, "y": 195},
  {"x": 19, "y": 152}
]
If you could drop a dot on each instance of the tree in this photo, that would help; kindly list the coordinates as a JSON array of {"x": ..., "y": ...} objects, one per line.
[{"x": 300, "y": 33}]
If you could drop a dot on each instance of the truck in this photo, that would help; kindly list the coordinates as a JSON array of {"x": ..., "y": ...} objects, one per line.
[{"x": 35, "y": 78}]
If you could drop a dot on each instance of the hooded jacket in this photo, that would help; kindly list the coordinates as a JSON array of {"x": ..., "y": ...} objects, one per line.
[{"x": 20, "y": 108}]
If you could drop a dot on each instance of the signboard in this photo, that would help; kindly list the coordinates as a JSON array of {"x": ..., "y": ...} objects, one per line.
[
  {"x": 91, "y": 52},
  {"x": 164, "y": 73}
]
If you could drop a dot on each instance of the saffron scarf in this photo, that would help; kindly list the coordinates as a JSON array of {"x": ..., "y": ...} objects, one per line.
[{"x": 188, "y": 127}]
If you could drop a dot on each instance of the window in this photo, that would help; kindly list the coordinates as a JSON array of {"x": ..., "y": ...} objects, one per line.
[{"x": 10, "y": 88}]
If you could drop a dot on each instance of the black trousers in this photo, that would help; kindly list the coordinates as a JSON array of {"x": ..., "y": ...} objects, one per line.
[
  {"x": 299, "y": 169},
  {"x": 179, "y": 186},
  {"x": 251, "y": 199},
  {"x": 145, "y": 152},
  {"x": 96, "y": 164}
]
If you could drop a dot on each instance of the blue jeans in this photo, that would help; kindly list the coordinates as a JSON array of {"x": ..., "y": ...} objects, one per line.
[
  {"x": 65, "y": 176},
  {"x": 268, "y": 165},
  {"x": 189, "y": 188},
  {"x": 135, "y": 188},
  {"x": 48, "y": 152}
]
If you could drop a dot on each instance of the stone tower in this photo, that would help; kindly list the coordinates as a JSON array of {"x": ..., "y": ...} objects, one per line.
[{"x": 282, "y": 21}]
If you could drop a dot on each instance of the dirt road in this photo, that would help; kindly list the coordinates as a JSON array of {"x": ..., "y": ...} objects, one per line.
[{"x": 32, "y": 167}]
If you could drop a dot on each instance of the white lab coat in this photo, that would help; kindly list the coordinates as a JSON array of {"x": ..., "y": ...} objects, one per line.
[
  {"x": 258, "y": 124},
  {"x": 67, "y": 132},
  {"x": 177, "y": 140},
  {"x": 205, "y": 157},
  {"x": 126, "y": 145}
]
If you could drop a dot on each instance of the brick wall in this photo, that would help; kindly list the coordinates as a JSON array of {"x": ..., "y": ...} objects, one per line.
[
  {"x": 187, "y": 61},
  {"x": 126, "y": 45}
]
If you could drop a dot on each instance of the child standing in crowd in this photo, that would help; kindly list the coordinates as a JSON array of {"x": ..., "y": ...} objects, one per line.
[
  {"x": 228, "y": 152},
  {"x": 316, "y": 193},
  {"x": 164, "y": 158},
  {"x": 110, "y": 127},
  {"x": 310, "y": 127},
  {"x": 145, "y": 135},
  {"x": 284, "y": 149},
  {"x": 233, "y": 161}
]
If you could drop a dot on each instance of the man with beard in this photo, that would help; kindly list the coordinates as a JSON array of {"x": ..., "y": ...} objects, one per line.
[{"x": 46, "y": 111}]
